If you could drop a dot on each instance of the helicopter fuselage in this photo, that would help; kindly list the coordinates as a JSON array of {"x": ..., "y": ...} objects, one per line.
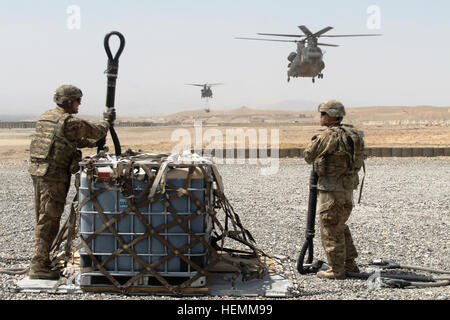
[
  {"x": 306, "y": 62},
  {"x": 206, "y": 93}
]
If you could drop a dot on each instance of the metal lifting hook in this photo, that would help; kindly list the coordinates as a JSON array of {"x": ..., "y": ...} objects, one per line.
[
  {"x": 121, "y": 47},
  {"x": 111, "y": 73},
  {"x": 113, "y": 62}
]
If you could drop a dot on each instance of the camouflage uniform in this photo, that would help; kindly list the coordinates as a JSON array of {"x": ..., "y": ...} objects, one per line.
[
  {"x": 332, "y": 153},
  {"x": 53, "y": 158}
]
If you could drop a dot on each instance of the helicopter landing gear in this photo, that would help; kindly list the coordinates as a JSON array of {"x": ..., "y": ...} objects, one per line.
[{"x": 319, "y": 76}]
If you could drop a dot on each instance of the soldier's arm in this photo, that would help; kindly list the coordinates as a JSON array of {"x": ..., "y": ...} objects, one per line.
[
  {"x": 87, "y": 143},
  {"x": 314, "y": 148},
  {"x": 84, "y": 132}
]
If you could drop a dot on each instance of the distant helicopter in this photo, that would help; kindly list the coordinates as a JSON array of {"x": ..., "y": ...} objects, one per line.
[
  {"x": 206, "y": 90},
  {"x": 308, "y": 60}
]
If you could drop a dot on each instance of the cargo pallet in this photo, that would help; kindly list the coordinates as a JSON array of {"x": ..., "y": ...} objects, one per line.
[
  {"x": 145, "y": 284},
  {"x": 150, "y": 225}
]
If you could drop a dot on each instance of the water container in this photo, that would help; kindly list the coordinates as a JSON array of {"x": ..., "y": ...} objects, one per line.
[{"x": 130, "y": 226}]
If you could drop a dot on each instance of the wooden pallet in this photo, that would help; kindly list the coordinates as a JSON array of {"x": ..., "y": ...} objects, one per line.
[
  {"x": 146, "y": 285},
  {"x": 151, "y": 285}
]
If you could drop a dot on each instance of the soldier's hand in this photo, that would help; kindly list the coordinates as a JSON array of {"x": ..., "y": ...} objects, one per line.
[
  {"x": 110, "y": 115},
  {"x": 101, "y": 143}
]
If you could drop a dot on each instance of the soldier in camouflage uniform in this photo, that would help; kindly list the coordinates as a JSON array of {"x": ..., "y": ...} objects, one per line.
[
  {"x": 54, "y": 156},
  {"x": 337, "y": 154}
]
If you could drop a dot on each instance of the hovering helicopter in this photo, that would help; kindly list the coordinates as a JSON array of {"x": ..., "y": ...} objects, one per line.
[
  {"x": 206, "y": 90},
  {"x": 307, "y": 61}
]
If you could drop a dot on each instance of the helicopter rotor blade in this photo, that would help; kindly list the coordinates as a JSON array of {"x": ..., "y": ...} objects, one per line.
[
  {"x": 306, "y": 31},
  {"x": 268, "y": 39},
  {"x": 194, "y": 84},
  {"x": 328, "y": 45},
  {"x": 214, "y": 84},
  {"x": 282, "y": 35},
  {"x": 351, "y": 35},
  {"x": 319, "y": 33}
]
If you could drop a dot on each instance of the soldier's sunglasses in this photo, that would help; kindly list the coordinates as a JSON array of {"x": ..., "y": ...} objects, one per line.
[{"x": 79, "y": 100}]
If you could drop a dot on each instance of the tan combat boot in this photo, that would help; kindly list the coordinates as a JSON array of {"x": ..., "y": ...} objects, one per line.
[
  {"x": 330, "y": 274},
  {"x": 39, "y": 271},
  {"x": 350, "y": 266}
]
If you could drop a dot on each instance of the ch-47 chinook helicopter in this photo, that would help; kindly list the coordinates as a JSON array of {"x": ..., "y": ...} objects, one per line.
[
  {"x": 308, "y": 60},
  {"x": 206, "y": 91}
]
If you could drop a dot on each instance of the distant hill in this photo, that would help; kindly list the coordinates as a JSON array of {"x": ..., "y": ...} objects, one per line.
[
  {"x": 244, "y": 115},
  {"x": 248, "y": 115},
  {"x": 416, "y": 113},
  {"x": 293, "y": 105},
  {"x": 17, "y": 117},
  {"x": 239, "y": 115}
]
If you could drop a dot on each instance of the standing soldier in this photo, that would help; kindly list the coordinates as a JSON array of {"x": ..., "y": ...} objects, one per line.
[
  {"x": 337, "y": 154},
  {"x": 54, "y": 157}
]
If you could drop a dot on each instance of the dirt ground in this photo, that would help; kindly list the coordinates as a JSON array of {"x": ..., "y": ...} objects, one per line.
[{"x": 14, "y": 143}]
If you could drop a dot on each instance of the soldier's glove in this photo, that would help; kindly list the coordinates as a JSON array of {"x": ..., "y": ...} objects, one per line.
[{"x": 110, "y": 115}]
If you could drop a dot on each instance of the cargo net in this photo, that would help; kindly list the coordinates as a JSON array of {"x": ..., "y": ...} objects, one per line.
[{"x": 232, "y": 251}]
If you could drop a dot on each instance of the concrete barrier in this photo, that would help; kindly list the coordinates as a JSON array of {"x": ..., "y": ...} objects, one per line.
[
  {"x": 294, "y": 152},
  {"x": 417, "y": 152},
  {"x": 438, "y": 152},
  {"x": 386, "y": 152},
  {"x": 264, "y": 153},
  {"x": 284, "y": 153},
  {"x": 428, "y": 152},
  {"x": 406, "y": 152},
  {"x": 303, "y": 150},
  {"x": 374, "y": 152},
  {"x": 396, "y": 152},
  {"x": 298, "y": 152},
  {"x": 447, "y": 152}
]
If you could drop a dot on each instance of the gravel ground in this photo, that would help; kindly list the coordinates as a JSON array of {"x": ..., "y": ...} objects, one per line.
[{"x": 404, "y": 216}]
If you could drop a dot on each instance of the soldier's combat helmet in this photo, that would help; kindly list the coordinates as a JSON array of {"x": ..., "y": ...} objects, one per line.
[
  {"x": 67, "y": 94},
  {"x": 332, "y": 108}
]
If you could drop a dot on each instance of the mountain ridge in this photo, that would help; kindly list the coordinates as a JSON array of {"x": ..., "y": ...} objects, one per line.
[{"x": 245, "y": 114}]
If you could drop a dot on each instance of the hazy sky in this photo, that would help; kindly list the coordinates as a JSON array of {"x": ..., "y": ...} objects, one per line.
[{"x": 171, "y": 43}]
